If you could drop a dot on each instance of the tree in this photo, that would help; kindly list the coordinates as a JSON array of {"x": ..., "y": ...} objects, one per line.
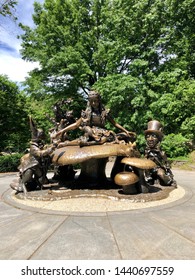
[
  {"x": 14, "y": 129},
  {"x": 138, "y": 54},
  {"x": 80, "y": 43},
  {"x": 7, "y": 8},
  {"x": 180, "y": 40},
  {"x": 77, "y": 42}
]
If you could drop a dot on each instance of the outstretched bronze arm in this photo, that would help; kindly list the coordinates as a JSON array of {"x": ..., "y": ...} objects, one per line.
[
  {"x": 112, "y": 121},
  {"x": 72, "y": 126}
]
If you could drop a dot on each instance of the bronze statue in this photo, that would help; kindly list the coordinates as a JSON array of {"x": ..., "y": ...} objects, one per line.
[
  {"x": 33, "y": 167},
  {"x": 153, "y": 151},
  {"x": 92, "y": 150},
  {"x": 63, "y": 117},
  {"x": 92, "y": 122}
]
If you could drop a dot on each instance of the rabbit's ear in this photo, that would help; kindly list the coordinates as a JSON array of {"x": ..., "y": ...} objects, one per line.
[{"x": 33, "y": 128}]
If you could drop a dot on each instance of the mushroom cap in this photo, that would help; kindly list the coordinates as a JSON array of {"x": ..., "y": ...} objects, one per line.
[
  {"x": 75, "y": 154},
  {"x": 141, "y": 163},
  {"x": 126, "y": 178}
]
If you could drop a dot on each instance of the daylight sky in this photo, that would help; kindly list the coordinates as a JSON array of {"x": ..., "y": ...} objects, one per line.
[{"x": 11, "y": 63}]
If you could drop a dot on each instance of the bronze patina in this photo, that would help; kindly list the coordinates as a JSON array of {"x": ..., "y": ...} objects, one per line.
[{"x": 130, "y": 173}]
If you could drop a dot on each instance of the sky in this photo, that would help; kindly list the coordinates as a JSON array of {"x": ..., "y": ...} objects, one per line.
[{"x": 11, "y": 63}]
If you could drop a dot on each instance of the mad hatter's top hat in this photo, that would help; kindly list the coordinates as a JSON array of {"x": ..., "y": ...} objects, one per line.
[{"x": 154, "y": 127}]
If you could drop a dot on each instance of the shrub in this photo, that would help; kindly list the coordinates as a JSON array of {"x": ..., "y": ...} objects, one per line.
[
  {"x": 10, "y": 163},
  {"x": 175, "y": 145},
  {"x": 141, "y": 143}
]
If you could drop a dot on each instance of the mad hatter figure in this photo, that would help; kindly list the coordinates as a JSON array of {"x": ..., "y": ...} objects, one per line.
[{"x": 162, "y": 173}]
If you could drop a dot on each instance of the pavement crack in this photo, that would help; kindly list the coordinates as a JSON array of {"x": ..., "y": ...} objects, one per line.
[
  {"x": 115, "y": 240},
  {"x": 172, "y": 229},
  {"x": 48, "y": 237}
]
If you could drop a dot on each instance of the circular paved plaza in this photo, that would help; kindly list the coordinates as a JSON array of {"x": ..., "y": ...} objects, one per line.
[{"x": 101, "y": 228}]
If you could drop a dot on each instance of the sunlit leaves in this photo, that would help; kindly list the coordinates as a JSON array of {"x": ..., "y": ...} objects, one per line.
[
  {"x": 13, "y": 116},
  {"x": 140, "y": 55},
  {"x": 7, "y": 8}
]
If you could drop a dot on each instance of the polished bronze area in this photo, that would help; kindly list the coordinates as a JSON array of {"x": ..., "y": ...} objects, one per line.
[
  {"x": 141, "y": 163},
  {"x": 126, "y": 178},
  {"x": 76, "y": 154}
]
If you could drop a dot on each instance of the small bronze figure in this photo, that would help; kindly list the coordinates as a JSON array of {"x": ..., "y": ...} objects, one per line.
[
  {"x": 153, "y": 151},
  {"x": 34, "y": 166},
  {"x": 63, "y": 117}
]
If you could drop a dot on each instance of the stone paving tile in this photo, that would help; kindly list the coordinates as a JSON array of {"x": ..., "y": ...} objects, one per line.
[
  {"x": 185, "y": 178},
  {"x": 140, "y": 237},
  {"x": 20, "y": 239},
  {"x": 9, "y": 214},
  {"x": 80, "y": 238},
  {"x": 165, "y": 232},
  {"x": 5, "y": 181},
  {"x": 181, "y": 219}
]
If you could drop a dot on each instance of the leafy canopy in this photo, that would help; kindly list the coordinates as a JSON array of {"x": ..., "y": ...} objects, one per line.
[
  {"x": 13, "y": 116},
  {"x": 140, "y": 55}
]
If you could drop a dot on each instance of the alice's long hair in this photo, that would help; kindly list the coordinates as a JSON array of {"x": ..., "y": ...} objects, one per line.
[{"x": 102, "y": 110}]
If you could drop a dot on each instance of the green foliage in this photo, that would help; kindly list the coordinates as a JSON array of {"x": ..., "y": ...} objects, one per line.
[
  {"x": 62, "y": 42},
  {"x": 175, "y": 108},
  {"x": 188, "y": 128},
  {"x": 39, "y": 109},
  {"x": 141, "y": 143},
  {"x": 128, "y": 99},
  {"x": 140, "y": 55},
  {"x": 10, "y": 163},
  {"x": 7, "y": 8},
  {"x": 175, "y": 145},
  {"x": 13, "y": 116}
]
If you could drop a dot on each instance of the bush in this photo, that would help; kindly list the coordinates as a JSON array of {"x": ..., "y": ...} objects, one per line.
[
  {"x": 10, "y": 163},
  {"x": 175, "y": 145},
  {"x": 141, "y": 143}
]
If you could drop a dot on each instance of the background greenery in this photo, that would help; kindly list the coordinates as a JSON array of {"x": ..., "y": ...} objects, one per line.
[
  {"x": 10, "y": 163},
  {"x": 140, "y": 55}
]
